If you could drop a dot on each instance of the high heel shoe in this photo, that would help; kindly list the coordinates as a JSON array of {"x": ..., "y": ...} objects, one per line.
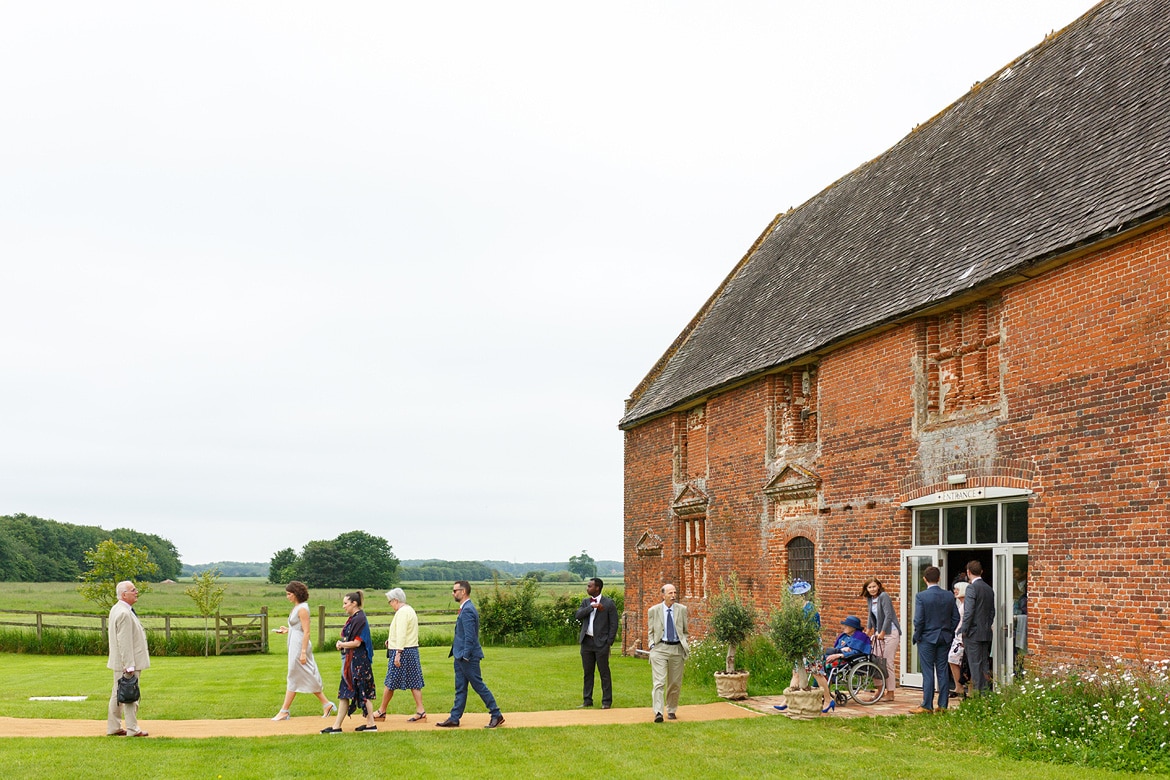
[
  {"x": 780, "y": 707},
  {"x": 832, "y": 706},
  {"x": 330, "y": 709},
  {"x": 282, "y": 715}
]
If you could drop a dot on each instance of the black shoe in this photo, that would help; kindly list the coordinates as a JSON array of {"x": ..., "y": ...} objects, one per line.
[
  {"x": 606, "y": 706},
  {"x": 658, "y": 717},
  {"x": 497, "y": 720},
  {"x": 364, "y": 727},
  {"x": 671, "y": 716},
  {"x": 330, "y": 730},
  {"x": 449, "y": 723},
  {"x": 584, "y": 705}
]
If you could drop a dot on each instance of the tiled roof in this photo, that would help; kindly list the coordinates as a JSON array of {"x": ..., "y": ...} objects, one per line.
[{"x": 1068, "y": 145}]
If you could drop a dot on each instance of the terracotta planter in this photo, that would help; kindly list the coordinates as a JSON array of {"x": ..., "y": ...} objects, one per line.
[
  {"x": 731, "y": 686},
  {"x": 803, "y": 705}
]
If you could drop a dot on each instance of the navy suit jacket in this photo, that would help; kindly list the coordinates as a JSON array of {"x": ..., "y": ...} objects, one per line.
[
  {"x": 466, "y": 646},
  {"x": 936, "y": 614},
  {"x": 978, "y": 611}
]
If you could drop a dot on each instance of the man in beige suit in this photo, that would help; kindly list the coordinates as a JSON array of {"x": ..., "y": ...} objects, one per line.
[
  {"x": 128, "y": 656},
  {"x": 668, "y": 652}
]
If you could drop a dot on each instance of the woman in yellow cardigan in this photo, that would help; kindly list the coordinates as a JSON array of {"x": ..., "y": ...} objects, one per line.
[{"x": 404, "y": 672}]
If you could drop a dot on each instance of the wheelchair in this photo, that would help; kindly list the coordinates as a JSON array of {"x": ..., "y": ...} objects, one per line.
[{"x": 858, "y": 677}]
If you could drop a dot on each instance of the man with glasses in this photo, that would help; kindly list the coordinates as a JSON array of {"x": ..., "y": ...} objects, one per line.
[
  {"x": 128, "y": 657},
  {"x": 467, "y": 652}
]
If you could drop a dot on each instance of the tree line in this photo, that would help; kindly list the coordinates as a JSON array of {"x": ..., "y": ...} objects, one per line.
[
  {"x": 33, "y": 549},
  {"x": 354, "y": 559}
]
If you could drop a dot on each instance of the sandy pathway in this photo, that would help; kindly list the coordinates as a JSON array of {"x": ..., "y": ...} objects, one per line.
[{"x": 24, "y": 727}]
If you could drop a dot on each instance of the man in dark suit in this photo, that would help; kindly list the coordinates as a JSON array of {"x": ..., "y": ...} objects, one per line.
[
  {"x": 467, "y": 652},
  {"x": 936, "y": 614},
  {"x": 978, "y": 626},
  {"x": 598, "y": 616}
]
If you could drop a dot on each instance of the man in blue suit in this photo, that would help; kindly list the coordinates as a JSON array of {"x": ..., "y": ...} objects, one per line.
[
  {"x": 467, "y": 653},
  {"x": 936, "y": 614}
]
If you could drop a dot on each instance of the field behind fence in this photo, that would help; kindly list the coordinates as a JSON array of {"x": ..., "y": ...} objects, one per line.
[{"x": 52, "y": 617}]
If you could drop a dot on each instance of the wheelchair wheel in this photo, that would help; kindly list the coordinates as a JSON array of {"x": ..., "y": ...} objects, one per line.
[
  {"x": 866, "y": 683},
  {"x": 841, "y": 697}
]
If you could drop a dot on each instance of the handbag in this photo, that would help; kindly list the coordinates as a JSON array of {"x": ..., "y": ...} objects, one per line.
[
  {"x": 128, "y": 692},
  {"x": 877, "y": 656}
]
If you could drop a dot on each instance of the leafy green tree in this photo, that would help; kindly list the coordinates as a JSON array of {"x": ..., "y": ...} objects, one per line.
[
  {"x": 319, "y": 565},
  {"x": 110, "y": 563},
  {"x": 207, "y": 594},
  {"x": 281, "y": 566},
  {"x": 368, "y": 560},
  {"x": 42, "y": 550},
  {"x": 354, "y": 559},
  {"x": 162, "y": 552},
  {"x": 583, "y": 566},
  {"x": 14, "y": 567}
]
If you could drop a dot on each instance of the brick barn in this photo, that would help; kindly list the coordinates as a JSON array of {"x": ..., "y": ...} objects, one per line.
[{"x": 957, "y": 351}]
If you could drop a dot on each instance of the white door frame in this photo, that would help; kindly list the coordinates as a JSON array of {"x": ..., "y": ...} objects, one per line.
[{"x": 912, "y": 563}]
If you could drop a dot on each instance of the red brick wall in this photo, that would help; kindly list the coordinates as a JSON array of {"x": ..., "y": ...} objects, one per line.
[
  {"x": 1067, "y": 372},
  {"x": 1087, "y": 401}
]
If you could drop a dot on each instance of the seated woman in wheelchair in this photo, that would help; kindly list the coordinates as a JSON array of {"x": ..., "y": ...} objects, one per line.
[{"x": 852, "y": 643}]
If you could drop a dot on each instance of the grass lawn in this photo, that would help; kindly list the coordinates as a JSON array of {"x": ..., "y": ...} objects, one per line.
[
  {"x": 522, "y": 679},
  {"x": 252, "y": 686},
  {"x": 763, "y": 747}
]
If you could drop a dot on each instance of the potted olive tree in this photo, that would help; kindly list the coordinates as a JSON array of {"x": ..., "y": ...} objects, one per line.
[
  {"x": 733, "y": 620},
  {"x": 795, "y": 629}
]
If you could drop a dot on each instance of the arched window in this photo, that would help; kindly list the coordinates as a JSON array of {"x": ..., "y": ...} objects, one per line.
[{"x": 802, "y": 560}]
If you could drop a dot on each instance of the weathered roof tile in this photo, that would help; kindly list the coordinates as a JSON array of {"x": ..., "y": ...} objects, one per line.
[{"x": 1066, "y": 146}]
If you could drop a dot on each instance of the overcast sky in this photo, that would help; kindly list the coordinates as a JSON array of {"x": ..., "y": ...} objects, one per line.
[{"x": 275, "y": 271}]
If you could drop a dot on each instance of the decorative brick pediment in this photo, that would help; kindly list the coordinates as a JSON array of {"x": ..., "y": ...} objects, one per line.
[
  {"x": 649, "y": 544},
  {"x": 691, "y": 500},
  {"x": 793, "y": 483}
]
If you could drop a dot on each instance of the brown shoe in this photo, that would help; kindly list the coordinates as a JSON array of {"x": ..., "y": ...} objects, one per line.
[
  {"x": 140, "y": 734},
  {"x": 118, "y": 733},
  {"x": 940, "y": 710},
  {"x": 888, "y": 696},
  {"x": 921, "y": 710}
]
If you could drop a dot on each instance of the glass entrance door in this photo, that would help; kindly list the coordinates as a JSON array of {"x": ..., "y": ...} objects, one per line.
[
  {"x": 1011, "y": 612},
  {"x": 914, "y": 564}
]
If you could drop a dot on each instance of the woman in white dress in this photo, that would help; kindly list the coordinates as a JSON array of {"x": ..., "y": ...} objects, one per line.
[{"x": 303, "y": 676}]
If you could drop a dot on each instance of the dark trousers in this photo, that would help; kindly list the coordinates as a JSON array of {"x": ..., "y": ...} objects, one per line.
[
  {"x": 936, "y": 674},
  {"x": 467, "y": 673},
  {"x": 594, "y": 655},
  {"x": 979, "y": 659}
]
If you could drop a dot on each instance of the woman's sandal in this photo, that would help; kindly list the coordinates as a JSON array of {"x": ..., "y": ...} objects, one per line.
[
  {"x": 417, "y": 717},
  {"x": 282, "y": 715},
  {"x": 379, "y": 715},
  {"x": 328, "y": 710}
]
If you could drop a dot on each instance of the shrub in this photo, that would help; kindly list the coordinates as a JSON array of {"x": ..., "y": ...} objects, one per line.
[
  {"x": 757, "y": 655},
  {"x": 733, "y": 619},
  {"x": 1116, "y": 717},
  {"x": 511, "y": 616},
  {"x": 795, "y": 629}
]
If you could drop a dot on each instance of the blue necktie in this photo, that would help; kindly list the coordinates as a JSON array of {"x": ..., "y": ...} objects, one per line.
[{"x": 671, "y": 636}]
